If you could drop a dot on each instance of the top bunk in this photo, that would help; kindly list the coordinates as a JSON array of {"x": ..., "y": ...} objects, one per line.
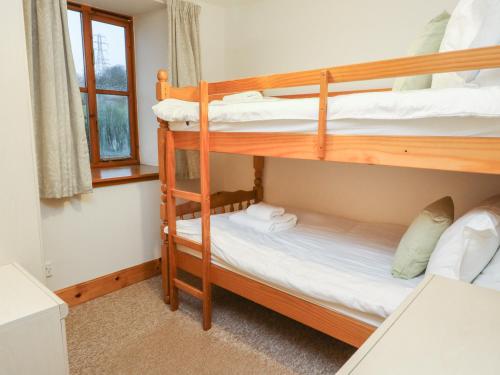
[{"x": 448, "y": 129}]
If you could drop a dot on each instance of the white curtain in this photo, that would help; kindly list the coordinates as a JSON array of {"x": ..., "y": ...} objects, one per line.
[
  {"x": 61, "y": 144},
  {"x": 184, "y": 67}
]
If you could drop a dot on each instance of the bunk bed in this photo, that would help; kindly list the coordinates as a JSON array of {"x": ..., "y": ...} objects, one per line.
[{"x": 474, "y": 152}]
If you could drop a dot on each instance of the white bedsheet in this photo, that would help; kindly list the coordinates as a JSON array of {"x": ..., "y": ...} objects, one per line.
[
  {"x": 329, "y": 260},
  {"x": 444, "y": 126},
  {"x": 390, "y": 105}
]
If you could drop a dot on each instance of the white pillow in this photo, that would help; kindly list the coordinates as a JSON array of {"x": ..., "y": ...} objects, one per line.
[
  {"x": 428, "y": 41},
  {"x": 490, "y": 276},
  {"x": 467, "y": 246},
  {"x": 473, "y": 24}
]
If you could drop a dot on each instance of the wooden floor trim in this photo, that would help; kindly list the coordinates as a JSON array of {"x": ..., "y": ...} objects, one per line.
[{"x": 88, "y": 290}]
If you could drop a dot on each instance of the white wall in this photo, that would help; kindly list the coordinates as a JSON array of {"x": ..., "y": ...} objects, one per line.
[
  {"x": 113, "y": 228},
  {"x": 118, "y": 226},
  {"x": 150, "y": 55},
  {"x": 272, "y": 36},
  {"x": 19, "y": 207},
  {"x": 286, "y": 35}
]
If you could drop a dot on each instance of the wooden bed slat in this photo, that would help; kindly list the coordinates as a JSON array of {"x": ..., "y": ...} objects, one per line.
[{"x": 461, "y": 154}]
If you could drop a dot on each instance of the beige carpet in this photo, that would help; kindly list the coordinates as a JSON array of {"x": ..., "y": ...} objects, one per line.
[{"x": 133, "y": 332}]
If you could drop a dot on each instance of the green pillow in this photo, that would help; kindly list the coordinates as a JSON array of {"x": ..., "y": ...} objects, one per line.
[
  {"x": 421, "y": 237},
  {"x": 428, "y": 41}
]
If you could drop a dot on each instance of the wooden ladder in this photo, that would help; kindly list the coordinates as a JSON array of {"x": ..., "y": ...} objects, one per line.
[{"x": 205, "y": 294}]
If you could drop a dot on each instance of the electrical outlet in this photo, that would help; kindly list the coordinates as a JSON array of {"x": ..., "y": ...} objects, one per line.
[{"x": 48, "y": 269}]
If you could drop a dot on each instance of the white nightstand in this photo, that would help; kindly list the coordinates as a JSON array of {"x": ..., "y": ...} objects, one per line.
[
  {"x": 443, "y": 327},
  {"x": 32, "y": 326}
]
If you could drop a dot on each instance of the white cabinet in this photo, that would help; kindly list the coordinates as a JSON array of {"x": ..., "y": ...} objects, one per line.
[
  {"x": 444, "y": 327},
  {"x": 32, "y": 326}
]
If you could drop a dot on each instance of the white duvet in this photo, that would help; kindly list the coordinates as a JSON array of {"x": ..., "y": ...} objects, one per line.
[
  {"x": 330, "y": 260},
  {"x": 390, "y": 105}
]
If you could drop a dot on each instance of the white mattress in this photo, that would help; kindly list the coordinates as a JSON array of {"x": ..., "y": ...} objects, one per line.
[
  {"x": 451, "y": 127},
  {"x": 334, "y": 262},
  {"x": 446, "y": 112}
]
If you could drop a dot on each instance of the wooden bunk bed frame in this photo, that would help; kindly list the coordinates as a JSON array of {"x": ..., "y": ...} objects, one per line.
[{"x": 465, "y": 154}]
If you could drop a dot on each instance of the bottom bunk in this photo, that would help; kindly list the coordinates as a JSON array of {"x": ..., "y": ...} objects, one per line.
[{"x": 327, "y": 272}]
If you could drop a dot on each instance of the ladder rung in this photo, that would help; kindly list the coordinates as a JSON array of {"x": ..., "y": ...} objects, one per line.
[
  {"x": 187, "y": 195},
  {"x": 191, "y": 244},
  {"x": 188, "y": 288}
]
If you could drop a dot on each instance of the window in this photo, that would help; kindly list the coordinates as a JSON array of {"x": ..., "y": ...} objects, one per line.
[{"x": 102, "y": 45}]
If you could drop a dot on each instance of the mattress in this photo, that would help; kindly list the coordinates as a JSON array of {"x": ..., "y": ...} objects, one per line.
[
  {"x": 337, "y": 263},
  {"x": 451, "y": 127},
  {"x": 446, "y": 112}
]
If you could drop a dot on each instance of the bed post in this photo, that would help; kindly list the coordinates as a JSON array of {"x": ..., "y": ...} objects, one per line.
[
  {"x": 258, "y": 166},
  {"x": 323, "y": 113},
  {"x": 162, "y": 90}
]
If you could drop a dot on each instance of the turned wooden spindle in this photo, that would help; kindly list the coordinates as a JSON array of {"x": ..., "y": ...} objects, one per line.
[{"x": 162, "y": 86}]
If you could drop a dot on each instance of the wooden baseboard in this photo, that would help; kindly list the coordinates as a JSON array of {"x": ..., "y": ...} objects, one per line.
[{"x": 88, "y": 290}]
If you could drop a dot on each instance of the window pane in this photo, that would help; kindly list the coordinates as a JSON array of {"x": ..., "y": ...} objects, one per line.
[
  {"x": 76, "y": 37},
  {"x": 114, "y": 129},
  {"x": 109, "y": 56},
  {"x": 85, "y": 103}
]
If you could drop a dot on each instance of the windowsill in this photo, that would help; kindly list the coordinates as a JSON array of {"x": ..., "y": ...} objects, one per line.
[{"x": 123, "y": 175}]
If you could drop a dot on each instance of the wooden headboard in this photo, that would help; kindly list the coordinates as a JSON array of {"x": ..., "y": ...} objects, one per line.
[{"x": 229, "y": 201}]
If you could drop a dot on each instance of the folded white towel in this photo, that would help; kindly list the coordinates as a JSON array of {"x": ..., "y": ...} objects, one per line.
[
  {"x": 265, "y": 211},
  {"x": 277, "y": 224},
  {"x": 242, "y": 97}
]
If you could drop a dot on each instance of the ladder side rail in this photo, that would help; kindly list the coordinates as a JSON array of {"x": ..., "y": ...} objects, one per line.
[
  {"x": 171, "y": 215},
  {"x": 205, "y": 205},
  {"x": 163, "y": 209}
]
